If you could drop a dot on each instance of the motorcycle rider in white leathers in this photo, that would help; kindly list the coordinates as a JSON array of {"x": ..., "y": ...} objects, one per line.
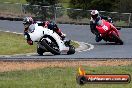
[{"x": 29, "y": 25}]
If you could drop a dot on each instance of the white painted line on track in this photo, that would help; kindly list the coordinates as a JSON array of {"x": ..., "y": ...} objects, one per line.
[
  {"x": 84, "y": 46},
  {"x": 11, "y": 32}
]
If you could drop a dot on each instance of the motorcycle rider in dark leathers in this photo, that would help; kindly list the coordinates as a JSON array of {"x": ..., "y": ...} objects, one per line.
[{"x": 95, "y": 17}]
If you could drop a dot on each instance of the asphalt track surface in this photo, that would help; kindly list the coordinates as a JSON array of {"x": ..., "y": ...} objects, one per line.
[{"x": 81, "y": 33}]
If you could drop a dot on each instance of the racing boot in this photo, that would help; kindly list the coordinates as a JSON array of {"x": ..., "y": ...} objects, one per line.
[
  {"x": 67, "y": 42},
  {"x": 63, "y": 37},
  {"x": 98, "y": 38}
]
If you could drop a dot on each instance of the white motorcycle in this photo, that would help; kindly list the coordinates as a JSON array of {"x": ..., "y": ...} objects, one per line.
[{"x": 49, "y": 41}]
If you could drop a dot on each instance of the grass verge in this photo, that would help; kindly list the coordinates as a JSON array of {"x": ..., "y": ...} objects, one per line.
[
  {"x": 59, "y": 77},
  {"x": 14, "y": 1},
  {"x": 16, "y": 44}
]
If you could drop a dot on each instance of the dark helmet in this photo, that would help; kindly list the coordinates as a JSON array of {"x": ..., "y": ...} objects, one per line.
[
  {"x": 27, "y": 20},
  {"x": 94, "y": 14}
]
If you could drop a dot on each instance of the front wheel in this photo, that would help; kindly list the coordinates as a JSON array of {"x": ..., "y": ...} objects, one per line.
[
  {"x": 71, "y": 49},
  {"x": 51, "y": 47}
]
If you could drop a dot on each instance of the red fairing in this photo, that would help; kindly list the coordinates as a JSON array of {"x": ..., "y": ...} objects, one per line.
[
  {"x": 58, "y": 31},
  {"x": 114, "y": 29},
  {"x": 108, "y": 32},
  {"x": 104, "y": 27}
]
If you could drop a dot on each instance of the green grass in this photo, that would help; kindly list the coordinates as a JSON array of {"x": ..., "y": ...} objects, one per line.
[
  {"x": 24, "y": 1},
  {"x": 14, "y": 44},
  {"x": 58, "y": 77},
  {"x": 14, "y": 1},
  {"x": 64, "y": 1},
  {"x": 121, "y": 23},
  {"x": 65, "y": 5}
]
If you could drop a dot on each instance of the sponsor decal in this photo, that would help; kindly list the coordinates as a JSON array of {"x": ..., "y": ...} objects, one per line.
[{"x": 83, "y": 78}]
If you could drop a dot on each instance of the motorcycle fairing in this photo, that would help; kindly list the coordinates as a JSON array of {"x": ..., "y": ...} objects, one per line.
[{"x": 40, "y": 31}]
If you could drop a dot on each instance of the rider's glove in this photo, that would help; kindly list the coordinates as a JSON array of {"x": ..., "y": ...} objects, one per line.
[
  {"x": 30, "y": 42},
  {"x": 27, "y": 36}
]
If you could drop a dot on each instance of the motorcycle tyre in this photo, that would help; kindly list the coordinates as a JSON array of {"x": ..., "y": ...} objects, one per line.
[
  {"x": 71, "y": 50},
  {"x": 50, "y": 49},
  {"x": 40, "y": 51},
  {"x": 117, "y": 39}
]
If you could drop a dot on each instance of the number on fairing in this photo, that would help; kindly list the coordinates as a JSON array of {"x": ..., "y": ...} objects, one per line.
[{"x": 105, "y": 28}]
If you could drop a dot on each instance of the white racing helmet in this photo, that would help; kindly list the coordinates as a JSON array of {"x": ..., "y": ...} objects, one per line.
[{"x": 94, "y": 14}]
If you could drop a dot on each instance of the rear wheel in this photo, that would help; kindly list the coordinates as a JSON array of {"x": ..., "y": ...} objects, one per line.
[
  {"x": 51, "y": 46},
  {"x": 117, "y": 39}
]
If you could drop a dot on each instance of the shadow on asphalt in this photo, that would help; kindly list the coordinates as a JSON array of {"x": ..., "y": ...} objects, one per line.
[
  {"x": 48, "y": 54},
  {"x": 105, "y": 44}
]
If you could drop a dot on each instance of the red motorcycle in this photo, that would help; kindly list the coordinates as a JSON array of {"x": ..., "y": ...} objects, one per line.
[{"x": 108, "y": 32}]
